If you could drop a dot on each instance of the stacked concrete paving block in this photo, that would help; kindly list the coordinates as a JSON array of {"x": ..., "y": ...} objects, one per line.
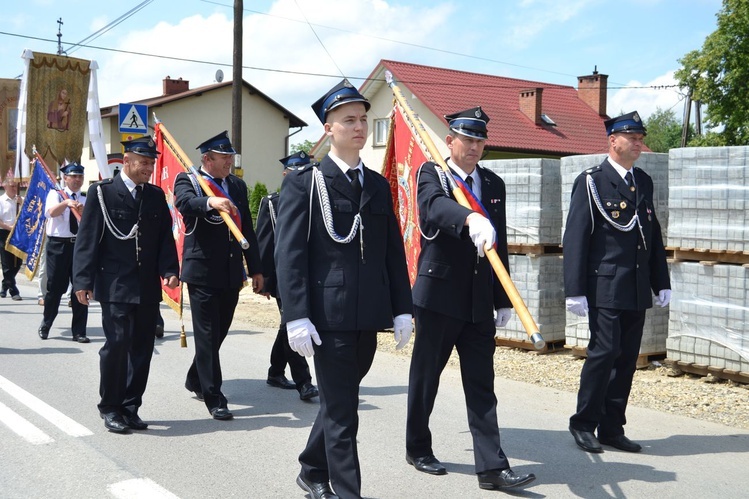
[
  {"x": 709, "y": 198},
  {"x": 709, "y": 321},
  {"x": 534, "y": 213},
  {"x": 534, "y": 221},
  {"x": 655, "y": 331}
]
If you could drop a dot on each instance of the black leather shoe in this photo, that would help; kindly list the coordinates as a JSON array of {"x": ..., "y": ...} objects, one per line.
[
  {"x": 81, "y": 338},
  {"x": 316, "y": 490},
  {"x": 114, "y": 422},
  {"x": 586, "y": 441},
  {"x": 159, "y": 331},
  {"x": 280, "y": 382},
  {"x": 198, "y": 393},
  {"x": 16, "y": 298},
  {"x": 221, "y": 413},
  {"x": 427, "y": 464},
  {"x": 43, "y": 332},
  {"x": 503, "y": 479},
  {"x": 308, "y": 391},
  {"x": 3, "y": 294},
  {"x": 621, "y": 442},
  {"x": 134, "y": 422}
]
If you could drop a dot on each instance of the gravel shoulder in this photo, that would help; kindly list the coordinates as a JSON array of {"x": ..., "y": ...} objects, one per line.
[{"x": 655, "y": 387}]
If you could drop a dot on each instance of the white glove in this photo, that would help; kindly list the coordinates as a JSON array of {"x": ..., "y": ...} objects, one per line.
[
  {"x": 503, "y": 317},
  {"x": 578, "y": 305},
  {"x": 663, "y": 298},
  {"x": 302, "y": 333},
  {"x": 402, "y": 330},
  {"x": 481, "y": 231}
]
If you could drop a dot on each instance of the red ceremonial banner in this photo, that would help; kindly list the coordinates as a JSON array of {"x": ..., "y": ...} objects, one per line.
[
  {"x": 167, "y": 167},
  {"x": 403, "y": 158}
]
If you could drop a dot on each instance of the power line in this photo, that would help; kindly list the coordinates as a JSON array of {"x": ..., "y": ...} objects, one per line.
[{"x": 322, "y": 75}]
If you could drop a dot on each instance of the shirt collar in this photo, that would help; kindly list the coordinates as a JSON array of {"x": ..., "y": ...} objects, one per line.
[
  {"x": 128, "y": 182},
  {"x": 344, "y": 167},
  {"x": 620, "y": 169},
  {"x": 461, "y": 173}
]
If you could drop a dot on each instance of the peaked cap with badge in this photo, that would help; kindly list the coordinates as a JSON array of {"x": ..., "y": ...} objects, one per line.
[
  {"x": 219, "y": 144},
  {"x": 73, "y": 168},
  {"x": 295, "y": 160},
  {"x": 471, "y": 122},
  {"x": 626, "y": 123},
  {"x": 343, "y": 93},
  {"x": 144, "y": 146}
]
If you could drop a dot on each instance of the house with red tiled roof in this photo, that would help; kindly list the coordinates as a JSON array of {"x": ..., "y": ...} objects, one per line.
[
  {"x": 528, "y": 119},
  {"x": 194, "y": 115}
]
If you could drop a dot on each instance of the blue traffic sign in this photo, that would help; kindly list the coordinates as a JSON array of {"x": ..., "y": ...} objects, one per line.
[{"x": 133, "y": 118}]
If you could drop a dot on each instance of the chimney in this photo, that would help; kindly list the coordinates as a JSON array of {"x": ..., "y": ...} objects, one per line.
[
  {"x": 592, "y": 89},
  {"x": 172, "y": 87},
  {"x": 530, "y": 104}
]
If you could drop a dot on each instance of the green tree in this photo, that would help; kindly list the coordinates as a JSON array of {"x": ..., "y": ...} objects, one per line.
[
  {"x": 305, "y": 146},
  {"x": 664, "y": 131},
  {"x": 258, "y": 192},
  {"x": 718, "y": 74}
]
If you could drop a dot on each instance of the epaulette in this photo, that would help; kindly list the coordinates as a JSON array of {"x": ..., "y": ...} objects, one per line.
[
  {"x": 595, "y": 169},
  {"x": 105, "y": 181},
  {"x": 307, "y": 167}
]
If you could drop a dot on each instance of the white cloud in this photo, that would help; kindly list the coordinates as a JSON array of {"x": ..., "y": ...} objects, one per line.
[
  {"x": 657, "y": 94},
  {"x": 532, "y": 17}
]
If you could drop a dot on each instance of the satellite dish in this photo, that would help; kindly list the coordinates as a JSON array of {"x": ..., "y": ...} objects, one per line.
[{"x": 219, "y": 76}]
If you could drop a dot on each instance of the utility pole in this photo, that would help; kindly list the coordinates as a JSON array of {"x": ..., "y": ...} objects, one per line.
[
  {"x": 236, "y": 88},
  {"x": 685, "y": 122}
]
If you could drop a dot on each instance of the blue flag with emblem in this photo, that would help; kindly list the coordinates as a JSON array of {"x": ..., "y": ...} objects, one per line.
[{"x": 26, "y": 240}]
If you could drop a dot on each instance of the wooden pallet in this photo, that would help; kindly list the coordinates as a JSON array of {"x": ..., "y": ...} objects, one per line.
[
  {"x": 533, "y": 249},
  {"x": 550, "y": 347},
  {"x": 709, "y": 257},
  {"x": 704, "y": 370},
  {"x": 643, "y": 360}
]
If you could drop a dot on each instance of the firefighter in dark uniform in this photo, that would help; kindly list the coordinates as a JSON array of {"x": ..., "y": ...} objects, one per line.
[
  {"x": 213, "y": 263},
  {"x": 459, "y": 301},
  {"x": 614, "y": 260},
  {"x": 281, "y": 352},
  {"x": 342, "y": 277},
  {"x": 124, "y": 245}
]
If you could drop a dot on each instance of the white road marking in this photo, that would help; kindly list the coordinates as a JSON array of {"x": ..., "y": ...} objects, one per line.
[
  {"x": 140, "y": 488},
  {"x": 45, "y": 410},
  {"x": 17, "y": 424}
]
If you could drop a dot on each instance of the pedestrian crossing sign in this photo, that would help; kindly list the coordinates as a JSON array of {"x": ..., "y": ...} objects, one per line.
[{"x": 133, "y": 118}]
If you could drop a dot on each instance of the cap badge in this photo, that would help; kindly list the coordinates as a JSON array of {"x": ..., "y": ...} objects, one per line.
[
  {"x": 477, "y": 113},
  {"x": 614, "y": 214},
  {"x": 623, "y": 205}
]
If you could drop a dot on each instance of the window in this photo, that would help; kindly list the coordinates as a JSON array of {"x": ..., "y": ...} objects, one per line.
[{"x": 381, "y": 131}]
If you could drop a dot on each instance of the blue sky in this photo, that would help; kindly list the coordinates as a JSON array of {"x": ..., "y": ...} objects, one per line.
[{"x": 295, "y": 50}]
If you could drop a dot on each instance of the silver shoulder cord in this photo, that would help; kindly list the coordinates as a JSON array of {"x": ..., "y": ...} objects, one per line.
[
  {"x": 212, "y": 219},
  {"x": 272, "y": 213},
  {"x": 114, "y": 230},
  {"x": 318, "y": 183},
  {"x": 593, "y": 195},
  {"x": 443, "y": 182}
]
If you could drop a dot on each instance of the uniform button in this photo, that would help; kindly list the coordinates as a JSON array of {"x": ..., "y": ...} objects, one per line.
[
  {"x": 429, "y": 271},
  {"x": 638, "y": 265},
  {"x": 231, "y": 255},
  {"x": 596, "y": 271},
  {"x": 638, "y": 246}
]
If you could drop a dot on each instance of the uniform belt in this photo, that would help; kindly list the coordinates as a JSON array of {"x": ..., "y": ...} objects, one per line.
[{"x": 63, "y": 239}]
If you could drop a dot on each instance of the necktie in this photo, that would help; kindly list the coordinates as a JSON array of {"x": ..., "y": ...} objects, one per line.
[
  {"x": 630, "y": 181},
  {"x": 137, "y": 193},
  {"x": 469, "y": 181},
  {"x": 353, "y": 175},
  {"x": 72, "y": 220}
]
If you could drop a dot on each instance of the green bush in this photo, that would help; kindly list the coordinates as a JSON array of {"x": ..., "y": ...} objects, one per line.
[{"x": 257, "y": 193}]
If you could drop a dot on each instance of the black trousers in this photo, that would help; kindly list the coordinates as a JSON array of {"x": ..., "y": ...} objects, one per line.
[
  {"x": 59, "y": 275},
  {"x": 10, "y": 264},
  {"x": 212, "y": 315},
  {"x": 436, "y": 335},
  {"x": 341, "y": 362},
  {"x": 606, "y": 377},
  {"x": 281, "y": 354},
  {"x": 125, "y": 358}
]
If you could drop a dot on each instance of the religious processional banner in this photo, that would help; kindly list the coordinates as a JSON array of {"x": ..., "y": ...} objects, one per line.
[
  {"x": 9, "y": 90},
  {"x": 403, "y": 158},
  {"x": 168, "y": 165},
  {"x": 26, "y": 240},
  {"x": 57, "y": 93}
]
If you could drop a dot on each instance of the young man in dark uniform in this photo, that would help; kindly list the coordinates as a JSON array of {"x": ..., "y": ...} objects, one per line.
[
  {"x": 458, "y": 302},
  {"x": 213, "y": 263},
  {"x": 62, "y": 230},
  {"x": 342, "y": 277},
  {"x": 281, "y": 353},
  {"x": 613, "y": 258},
  {"x": 123, "y": 250}
]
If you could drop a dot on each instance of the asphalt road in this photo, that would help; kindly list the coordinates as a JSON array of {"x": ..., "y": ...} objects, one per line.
[{"x": 53, "y": 443}]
